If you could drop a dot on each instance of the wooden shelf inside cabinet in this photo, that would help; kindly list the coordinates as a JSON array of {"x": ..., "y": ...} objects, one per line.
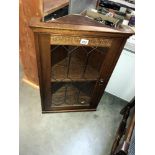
[
  {"x": 72, "y": 94},
  {"x": 76, "y": 63},
  {"x": 71, "y": 80},
  {"x": 73, "y": 74}
]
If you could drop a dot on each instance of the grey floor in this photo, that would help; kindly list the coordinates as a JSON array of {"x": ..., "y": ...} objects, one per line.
[{"x": 78, "y": 133}]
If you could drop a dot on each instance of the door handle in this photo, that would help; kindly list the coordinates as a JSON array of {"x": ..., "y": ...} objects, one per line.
[{"x": 101, "y": 81}]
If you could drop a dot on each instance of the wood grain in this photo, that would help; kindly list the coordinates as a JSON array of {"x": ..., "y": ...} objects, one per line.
[
  {"x": 65, "y": 40},
  {"x": 79, "y": 27},
  {"x": 29, "y": 9},
  {"x": 53, "y": 5},
  {"x": 42, "y": 43},
  {"x": 27, "y": 48}
]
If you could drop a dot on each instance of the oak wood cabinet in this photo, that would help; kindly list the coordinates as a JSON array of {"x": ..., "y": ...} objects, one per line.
[{"x": 75, "y": 58}]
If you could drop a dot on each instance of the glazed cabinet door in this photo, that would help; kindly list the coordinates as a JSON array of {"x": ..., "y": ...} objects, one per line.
[{"x": 73, "y": 71}]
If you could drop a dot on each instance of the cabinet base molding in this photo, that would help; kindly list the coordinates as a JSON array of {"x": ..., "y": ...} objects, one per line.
[{"x": 73, "y": 110}]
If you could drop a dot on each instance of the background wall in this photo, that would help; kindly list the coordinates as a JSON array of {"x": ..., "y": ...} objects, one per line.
[{"x": 122, "y": 81}]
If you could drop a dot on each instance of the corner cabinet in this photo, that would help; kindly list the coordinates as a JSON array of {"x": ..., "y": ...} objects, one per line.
[{"x": 75, "y": 58}]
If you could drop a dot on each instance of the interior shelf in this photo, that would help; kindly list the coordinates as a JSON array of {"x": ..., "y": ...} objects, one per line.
[
  {"x": 71, "y": 63},
  {"x": 75, "y": 94},
  {"x": 61, "y": 72},
  {"x": 75, "y": 70}
]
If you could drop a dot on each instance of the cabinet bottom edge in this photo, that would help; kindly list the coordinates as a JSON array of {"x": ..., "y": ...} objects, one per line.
[{"x": 61, "y": 111}]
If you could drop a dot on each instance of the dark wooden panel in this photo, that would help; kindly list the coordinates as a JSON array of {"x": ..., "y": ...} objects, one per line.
[
  {"x": 61, "y": 110},
  {"x": 42, "y": 42}
]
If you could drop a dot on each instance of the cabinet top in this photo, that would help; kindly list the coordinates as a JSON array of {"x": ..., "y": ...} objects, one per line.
[{"x": 80, "y": 24}]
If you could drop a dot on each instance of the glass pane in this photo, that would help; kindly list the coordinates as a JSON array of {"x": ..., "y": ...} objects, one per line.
[
  {"x": 77, "y": 58},
  {"x": 76, "y": 62},
  {"x": 72, "y": 93},
  {"x": 75, "y": 71}
]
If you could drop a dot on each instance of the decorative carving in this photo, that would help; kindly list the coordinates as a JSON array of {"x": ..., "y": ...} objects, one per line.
[{"x": 64, "y": 40}]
